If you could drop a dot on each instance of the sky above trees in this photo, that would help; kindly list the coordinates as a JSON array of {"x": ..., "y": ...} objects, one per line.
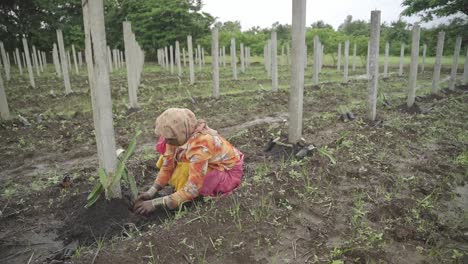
[{"x": 264, "y": 13}]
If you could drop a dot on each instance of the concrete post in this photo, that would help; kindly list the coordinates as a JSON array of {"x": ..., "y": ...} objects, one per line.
[
  {"x": 224, "y": 56},
  {"x": 28, "y": 63},
  {"x": 354, "y": 57},
  {"x": 183, "y": 57},
  {"x": 203, "y": 56},
  {"x": 171, "y": 58},
  {"x": 4, "y": 110},
  {"x": 14, "y": 59},
  {"x": 233, "y": 59},
  {"x": 465, "y": 69},
  {"x": 297, "y": 71},
  {"x": 373, "y": 64},
  {"x": 80, "y": 59},
  {"x": 199, "y": 58},
  {"x": 39, "y": 59},
  {"x": 44, "y": 60},
  {"x": 282, "y": 55},
  {"x": 346, "y": 61},
  {"x": 6, "y": 67},
  {"x": 18, "y": 58},
  {"x": 24, "y": 59},
  {"x": 338, "y": 66},
  {"x": 36, "y": 61},
  {"x": 438, "y": 62},
  {"x": 402, "y": 56},
  {"x": 414, "y": 66},
  {"x": 453, "y": 73},
  {"x": 64, "y": 62},
  {"x": 75, "y": 60},
  {"x": 274, "y": 63},
  {"x": 105, "y": 127},
  {"x": 177, "y": 54},
  {"x": 316, "y": 66},
  {"x": 387, "y": 48},
  {"x": 190, "y": 56},
  {"x": 69, "y": 60},
  {"x": 322, "y": 55},
  {"x": 242, "y": 58},
  {"x": 131, "y": 65},
  {"x": 215, "y": 62},
  {"x": 56, "y": 61},
  {"x": 423, "y": 58},
  {"x": 166, "y": 57}
]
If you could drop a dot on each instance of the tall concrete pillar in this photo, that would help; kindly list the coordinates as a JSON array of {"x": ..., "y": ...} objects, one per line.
[
  {"x": 183, "y": 57},
  {"x": 28, "y": 63},
  {"x": 105, "y": 127},
  {"x": 224, "y": 56},
  {"x": 453, "y": 72},
  {"x": 177, "y": 53},
  {"x": 64, "y": 62},
  {"x": 56, "y": 60},
  {"x": 423, "y": 58},
  {"x": 18, "y": 58},
  {"x": 131, "y": 65},
  {"x": 190, "y": 56},
  {"x": 109, "y": 60},
  {"x": 6, "y": 67},
  {"x": 373, "y": 64},
  {"x": 171, "y": 58},
  {"x": 438, "y": 62},
  {"x": 36, "y": 61},
  {"x": 338, "y": 66},
  {"x": 316, "y": 66},
  {"x": 297, "y": 71},
  {"x": 166, "y": 57},
  {"x": 233, "y": 59},
  {"x": 346, "y": 62},
  {"x": 414, "y": 66},
  {"x": 387, "y": 48},
  {"x": 354, "y": 57},
  {"x": 242, "y": 58},
  {"x": 282, "y": 55},
  {"x": 75, "y": 60},
  {"x": 199, "y": 57},
  {"x": 69, "y": 60},
  {"x": 274, "y": 63},
  {"x": 80, "y": 59},
  {"x": 203, "y": 56},
  {"x": 215, "y": 62},
  {"x": 402, "y": 57},
  {"x": 4, "y": 110}
]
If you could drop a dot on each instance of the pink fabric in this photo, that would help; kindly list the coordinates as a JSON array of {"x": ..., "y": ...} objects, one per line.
[
  {"x": 223, "y": 183},
  {"x": 161, "y": 145}
]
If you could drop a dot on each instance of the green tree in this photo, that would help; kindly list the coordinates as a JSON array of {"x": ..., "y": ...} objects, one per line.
[{"x": 428, "y": 9}]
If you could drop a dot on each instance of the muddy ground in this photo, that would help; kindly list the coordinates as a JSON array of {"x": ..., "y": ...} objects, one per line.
[{"x": 390, "y": 191}]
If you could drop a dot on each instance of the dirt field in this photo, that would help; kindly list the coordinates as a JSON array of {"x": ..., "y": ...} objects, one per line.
[{"x": 391, "y": 191}]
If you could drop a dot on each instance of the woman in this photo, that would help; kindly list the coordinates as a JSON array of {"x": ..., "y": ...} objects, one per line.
[{"x": 196, "y": 161}]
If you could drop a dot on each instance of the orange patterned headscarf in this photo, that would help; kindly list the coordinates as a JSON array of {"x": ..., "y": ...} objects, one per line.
[{"x": 181, "y": 124}]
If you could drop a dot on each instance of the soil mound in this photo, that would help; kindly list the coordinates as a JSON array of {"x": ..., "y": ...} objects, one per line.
[{"x": 104, "y": 219}]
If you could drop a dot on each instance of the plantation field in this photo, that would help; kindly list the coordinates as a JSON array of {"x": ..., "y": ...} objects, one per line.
[{"x": 390, "y": 191}]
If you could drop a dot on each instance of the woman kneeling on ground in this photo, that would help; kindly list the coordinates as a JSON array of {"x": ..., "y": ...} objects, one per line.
[{"x": 196, "y": 161}]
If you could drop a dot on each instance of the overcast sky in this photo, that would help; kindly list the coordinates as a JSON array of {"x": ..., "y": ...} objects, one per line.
[{"x": 264, "y": 13}]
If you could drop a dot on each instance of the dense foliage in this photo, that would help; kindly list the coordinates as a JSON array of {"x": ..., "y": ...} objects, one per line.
[{"x": 157, "y": 23}]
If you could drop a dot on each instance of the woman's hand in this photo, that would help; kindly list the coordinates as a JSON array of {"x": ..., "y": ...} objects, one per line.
[{"x": 147, "y": 207}]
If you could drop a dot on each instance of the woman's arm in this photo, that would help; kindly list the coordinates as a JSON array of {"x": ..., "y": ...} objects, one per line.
[{"x": 167, "y": 168}]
